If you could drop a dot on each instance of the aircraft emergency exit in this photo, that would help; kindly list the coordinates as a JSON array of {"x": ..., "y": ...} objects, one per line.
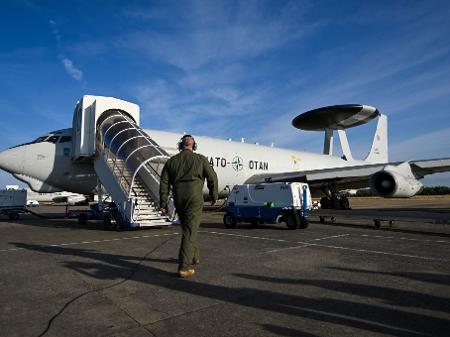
[{"x": 107, "y": 147}]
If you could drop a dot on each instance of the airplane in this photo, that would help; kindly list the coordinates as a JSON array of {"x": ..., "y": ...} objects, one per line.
[
  {"x": 57, "y": 197},
  {"x": 53, "y": 162},
  {"x": 33, "y": 198}
]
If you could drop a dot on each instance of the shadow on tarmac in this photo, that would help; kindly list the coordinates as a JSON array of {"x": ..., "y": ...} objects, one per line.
[
  {"x": 283, "y": 331},
  {"x": 390, "y": 296},
  {"x": 369, "y": 317},
  {"x": 442, "y": 279}
]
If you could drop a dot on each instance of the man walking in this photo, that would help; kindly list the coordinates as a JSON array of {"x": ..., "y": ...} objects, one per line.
[{"x": 186, "y": 173}]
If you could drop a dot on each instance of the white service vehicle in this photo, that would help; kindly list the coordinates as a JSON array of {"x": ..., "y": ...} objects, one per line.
[
  {"x": 12, "y": 202},
  {"x": 269, "y": 202}
]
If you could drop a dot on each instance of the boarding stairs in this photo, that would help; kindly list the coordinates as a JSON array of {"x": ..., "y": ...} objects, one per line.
[
  {"x": 146, "y": 210},
  {"x": 128, "y": 163}
]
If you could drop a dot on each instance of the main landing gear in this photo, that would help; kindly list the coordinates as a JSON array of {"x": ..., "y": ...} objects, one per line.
[{"x": 332, "y": 199}]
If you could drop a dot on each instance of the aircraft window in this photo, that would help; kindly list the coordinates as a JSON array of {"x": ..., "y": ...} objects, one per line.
[
  {"x": 52, "y": 139},
  {"x": 65, "y": 139},
  {"x": 40, "y": 139}
]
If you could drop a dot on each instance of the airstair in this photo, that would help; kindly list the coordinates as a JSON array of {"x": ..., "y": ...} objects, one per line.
[{"x": 127, "y": 161}]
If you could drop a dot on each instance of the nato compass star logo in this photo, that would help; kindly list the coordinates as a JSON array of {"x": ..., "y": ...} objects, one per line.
[{"x": 238, "y": 163}]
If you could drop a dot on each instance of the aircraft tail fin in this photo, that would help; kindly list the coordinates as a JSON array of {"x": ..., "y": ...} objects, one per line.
[{"x": 379, "y": 151}]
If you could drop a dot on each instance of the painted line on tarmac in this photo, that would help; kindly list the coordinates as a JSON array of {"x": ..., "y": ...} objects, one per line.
[
  {"x": 244, "y": 236},
  {"x": 305, "y": 244},
  {"x": 379, "y": 252},
  {"x": 93, "y": 241},
  {"x": 283, "y": 249},
  {"x": 11, "y": 249},
  {"x": 403, "y": 238},
  {"x": 329, "y": 237},
  {"x": 270, "y": 239}
]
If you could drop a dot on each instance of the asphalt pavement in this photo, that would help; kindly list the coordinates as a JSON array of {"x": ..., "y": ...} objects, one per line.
[{"x": 348, "y": 279}]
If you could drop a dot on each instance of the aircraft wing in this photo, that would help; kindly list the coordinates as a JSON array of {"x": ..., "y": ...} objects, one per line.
[{"x": 350, "y": 176}]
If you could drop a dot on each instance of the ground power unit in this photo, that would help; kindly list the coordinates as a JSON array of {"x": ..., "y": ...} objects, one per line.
[{"x": 269, "y": 203}]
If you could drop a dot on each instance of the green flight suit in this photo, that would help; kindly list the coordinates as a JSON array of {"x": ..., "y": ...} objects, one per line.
[{"x": 186, "y": 173}]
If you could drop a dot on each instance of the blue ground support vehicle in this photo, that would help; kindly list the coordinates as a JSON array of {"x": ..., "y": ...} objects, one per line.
[
  {"x": 108, "y": 213},
  {"x": 269, "y": 203}
]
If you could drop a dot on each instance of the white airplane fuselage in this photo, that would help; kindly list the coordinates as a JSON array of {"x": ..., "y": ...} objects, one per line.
[{"x": 234, "y": 162}]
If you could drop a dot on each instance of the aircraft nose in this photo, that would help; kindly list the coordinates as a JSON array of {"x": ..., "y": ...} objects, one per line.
[{"x": 11, "y": 160}]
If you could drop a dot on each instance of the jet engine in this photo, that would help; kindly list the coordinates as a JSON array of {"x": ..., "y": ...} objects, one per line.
[{"x": 396, "y": 181}]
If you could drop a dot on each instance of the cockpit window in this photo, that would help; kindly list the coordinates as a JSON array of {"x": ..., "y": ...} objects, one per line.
[
  {"x": 40, "y": 139},
  {"x": 52, "y": 139},
  {"x": 65, "y": 139},
  {"x": 48, "y": 138}
]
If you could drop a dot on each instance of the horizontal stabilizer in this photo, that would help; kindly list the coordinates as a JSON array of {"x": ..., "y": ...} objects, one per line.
[{"x": 421, "y": 168}]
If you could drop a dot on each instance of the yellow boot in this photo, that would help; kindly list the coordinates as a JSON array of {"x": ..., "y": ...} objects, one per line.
[{"x": 186, "y": 273}]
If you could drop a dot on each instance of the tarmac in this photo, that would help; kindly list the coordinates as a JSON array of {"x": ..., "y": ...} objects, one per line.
[{"x": 343, "y": 279}]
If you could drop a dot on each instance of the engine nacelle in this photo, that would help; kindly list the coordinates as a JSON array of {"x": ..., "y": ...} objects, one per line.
[{"x": 396, "y": 181}]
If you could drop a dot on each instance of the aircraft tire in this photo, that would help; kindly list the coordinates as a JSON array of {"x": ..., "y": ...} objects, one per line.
[{"x": 229, "y": 220}]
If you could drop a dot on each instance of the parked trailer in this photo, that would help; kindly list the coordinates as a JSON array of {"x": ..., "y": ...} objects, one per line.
[
  {"x": 269, "y": 203},
  {"x": 13, "y": 202}
]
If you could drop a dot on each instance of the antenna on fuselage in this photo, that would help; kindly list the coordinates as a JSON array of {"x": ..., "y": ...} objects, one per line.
[{"x": 336, "y": 118}]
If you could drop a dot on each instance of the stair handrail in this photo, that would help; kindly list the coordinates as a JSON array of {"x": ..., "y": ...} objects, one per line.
[
  {"x": 143, "y": 164},
  {"x": 120, "y": 147}
]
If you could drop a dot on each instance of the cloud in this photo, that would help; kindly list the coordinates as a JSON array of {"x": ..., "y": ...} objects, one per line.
[
  {"x": 211, "y": 33},
  {"x": 209, "y": 111},
  {"x": 71, "y": 69},
  {"x": 426, "y": 146},
  {"x": 55, "y": 31},
  {"x": 395, "y": 74},
  {"x": 215, "y": 56}
]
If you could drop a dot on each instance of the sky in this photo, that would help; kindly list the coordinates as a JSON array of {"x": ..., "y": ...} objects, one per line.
[{"x": 232, "y": 69}]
